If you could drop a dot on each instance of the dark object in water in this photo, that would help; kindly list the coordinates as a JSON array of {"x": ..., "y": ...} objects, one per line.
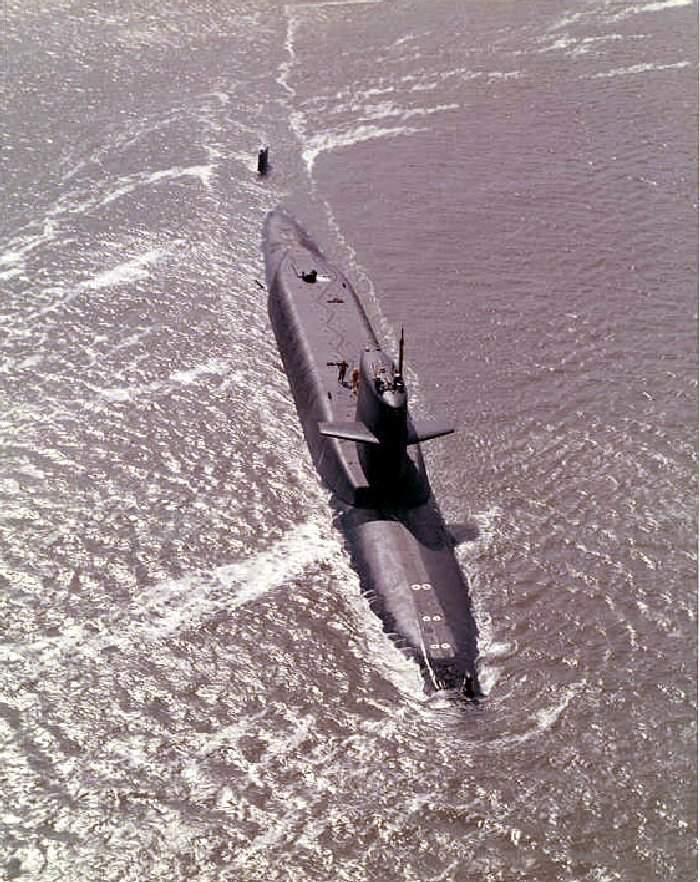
[
  {"x": 262, "y": 160},
  {"x": 366, "y": 448}
]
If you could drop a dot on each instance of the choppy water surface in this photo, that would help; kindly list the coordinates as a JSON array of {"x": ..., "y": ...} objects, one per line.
[{"x": 192, "y": 686}]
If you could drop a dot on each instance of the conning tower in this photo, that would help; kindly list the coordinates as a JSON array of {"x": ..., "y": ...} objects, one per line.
[{"x": 383, "y": 428}]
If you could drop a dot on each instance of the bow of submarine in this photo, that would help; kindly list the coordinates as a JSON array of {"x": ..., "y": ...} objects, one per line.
[{"x": 280, "y": 233}]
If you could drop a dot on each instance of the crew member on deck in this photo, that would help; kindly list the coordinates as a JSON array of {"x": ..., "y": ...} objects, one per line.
[{"x": 342, "y": 371}]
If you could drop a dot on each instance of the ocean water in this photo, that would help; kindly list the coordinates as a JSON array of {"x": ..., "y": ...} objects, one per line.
[{"x": 192, "y": 686}]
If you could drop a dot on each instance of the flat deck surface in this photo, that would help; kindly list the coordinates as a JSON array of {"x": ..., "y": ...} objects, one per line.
[{"x": 336, "y": 330}]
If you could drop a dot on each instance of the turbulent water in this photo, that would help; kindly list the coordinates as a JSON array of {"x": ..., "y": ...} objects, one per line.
[{"x": 192, "y": 686}]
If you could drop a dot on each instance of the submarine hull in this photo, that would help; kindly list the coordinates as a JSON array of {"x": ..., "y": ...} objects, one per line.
[{"x": 395, "y": 534}]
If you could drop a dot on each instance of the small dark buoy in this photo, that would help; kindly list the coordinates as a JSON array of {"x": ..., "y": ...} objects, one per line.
[{"x": 262, "y": 160}]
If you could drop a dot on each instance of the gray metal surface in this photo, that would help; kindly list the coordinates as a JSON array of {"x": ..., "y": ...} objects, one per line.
[{"x": 393, "y": 528}]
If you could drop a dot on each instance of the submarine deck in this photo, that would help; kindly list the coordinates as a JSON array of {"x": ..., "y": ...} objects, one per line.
[
  {"x": 399, "y": 545},
  {"x": 321, "y": 321}
]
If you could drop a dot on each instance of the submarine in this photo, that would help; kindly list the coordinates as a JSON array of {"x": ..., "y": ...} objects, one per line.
[{"x": 352, "y": 401}]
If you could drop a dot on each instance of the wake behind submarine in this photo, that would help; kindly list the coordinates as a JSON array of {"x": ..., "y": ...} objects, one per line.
[{"x": 353, "y": 405}]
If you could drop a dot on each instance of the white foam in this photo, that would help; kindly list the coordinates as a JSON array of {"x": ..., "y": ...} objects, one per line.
[
  {"x": 128, "y": 183},
  {"x": 589, "y": 43},
  {"x": 561, "y": 43},
  {"x": 639, "y": 69},
  {"x": 133, "y": 270},
  {"x": 323, "y": 3},
  {"x": 203, "y": 172},
  {"x": 157, "y": 612},
  {"x": 215, "y": 366},
  {"x": 125, "y": 273},
  {"x": 11, "y": 273},
  {"x": 565, "y": 21},
  {"x": 127, "y": 342},
  {"x": 574, "y": 46},
  {"x": 328, "y": 141},
  {"x": 286, "y": 66},
  {"x": 655, "y": 6},
  {"x": 121, "y": 394},
  {"x": 468, "y": 554},
  {"x": 18, "y": 247},
  {"x": 13, "y": 257},
  {"x": 424, "y": 87},
  {"x": 504, "y": 74},
  {"x": 387, "y": 109},
  {"x": 428, "y": 81},
  {"x": 548, "y": 716},
  {"x": 406, "y": 39},
  {"x": 163, "y": 609},
  {"x": 325, "y": 141}
]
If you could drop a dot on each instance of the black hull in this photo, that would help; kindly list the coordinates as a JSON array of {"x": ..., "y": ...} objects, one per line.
[{"x": 398, "y": 541}]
